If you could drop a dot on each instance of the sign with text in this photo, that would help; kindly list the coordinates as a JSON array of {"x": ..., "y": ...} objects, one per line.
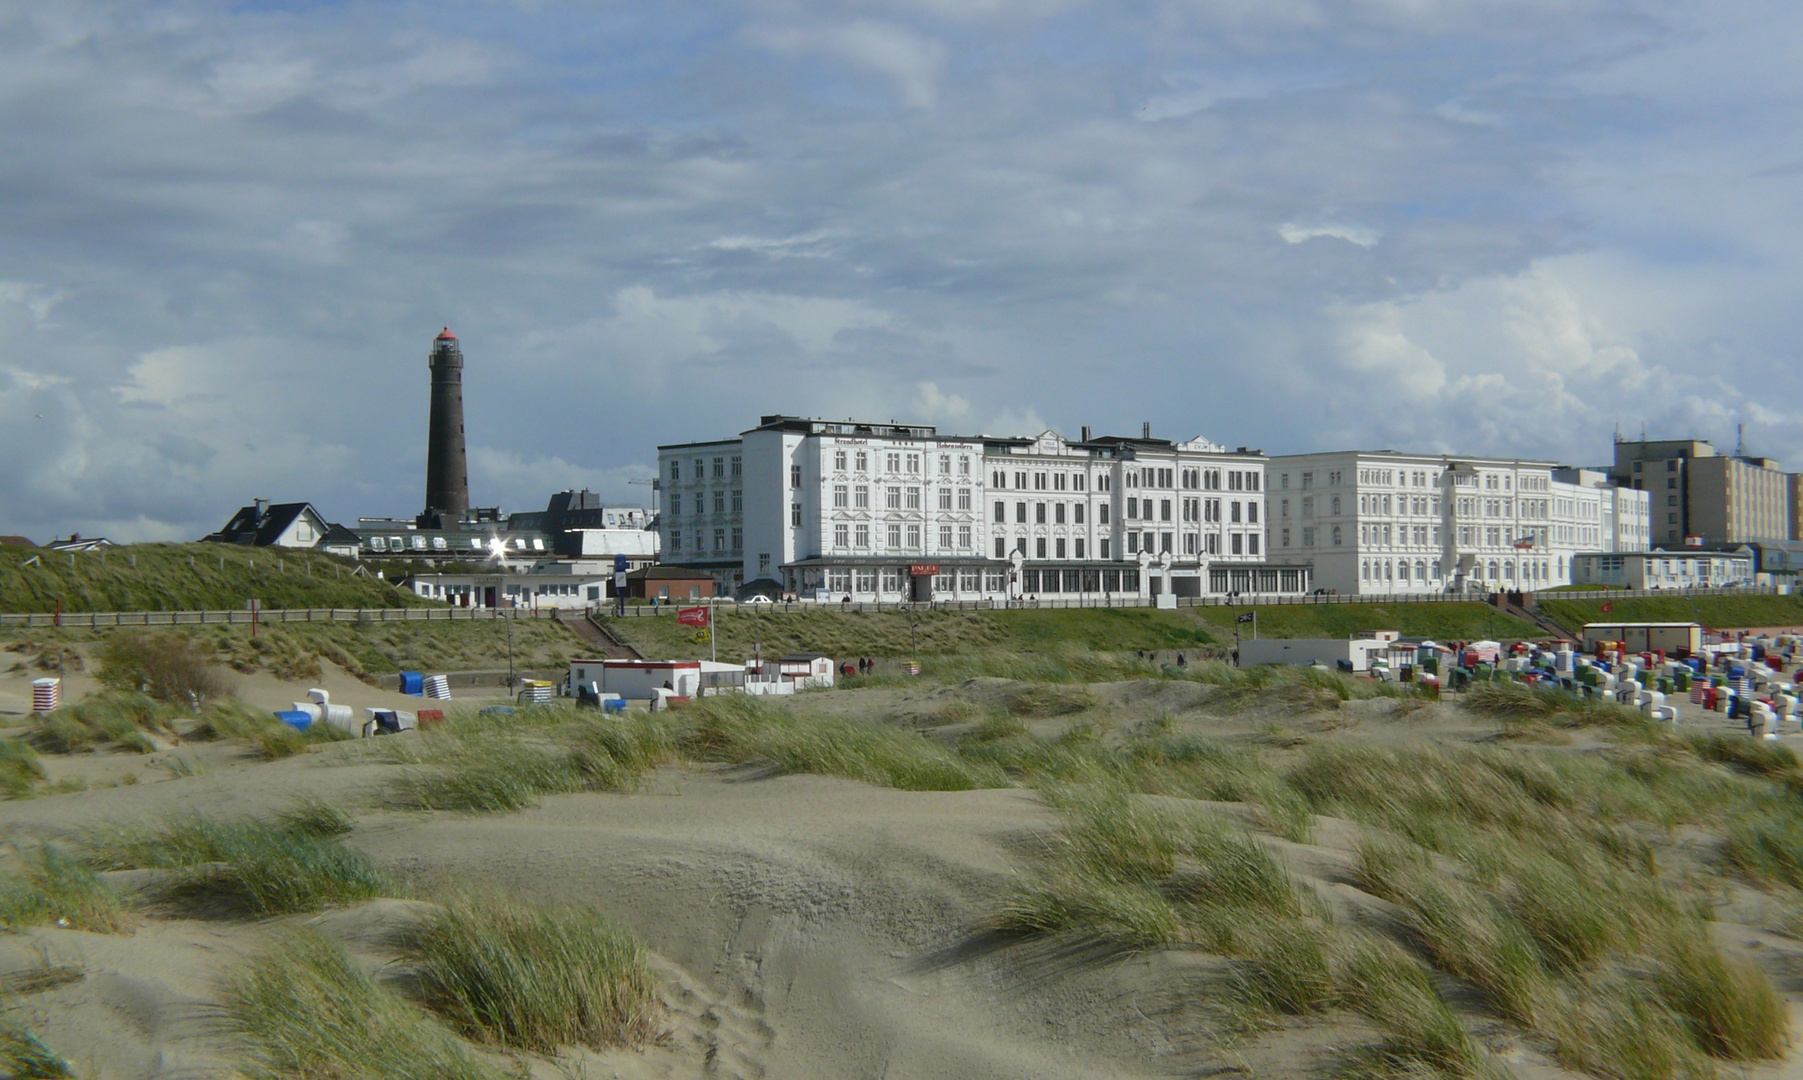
[
  {"x": 923, "y": 570},
  {"x": 692, "y": 616}
]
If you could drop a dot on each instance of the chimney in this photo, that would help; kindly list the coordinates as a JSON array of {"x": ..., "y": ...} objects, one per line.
[
  {"x": 262, "y": 505},
  {"x": 1145, "y": 431},
  {"x": 1085, "y": 433}
]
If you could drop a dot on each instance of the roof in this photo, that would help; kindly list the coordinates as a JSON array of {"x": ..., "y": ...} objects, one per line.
[
  {"x": 446, "y": 335},
  {"x": 261, "y": 527},
  {"x": 1628, "y": 622},
  {"x": 802, "y": 658},
  {"x": 337, "y": 535}
]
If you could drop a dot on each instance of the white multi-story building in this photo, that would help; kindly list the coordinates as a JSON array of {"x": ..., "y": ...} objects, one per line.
[
  {"x": 898, "y": 511},
  {"x": 1627, "y": 522},
  {"x": 1386, "y": 522}
]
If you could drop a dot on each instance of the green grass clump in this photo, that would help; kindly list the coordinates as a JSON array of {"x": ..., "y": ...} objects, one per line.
[
  {"x": 744, "y": 729},
  {"x": 20, "y": 770},
  {"x": 1422, "y": 1038},
  {"x": 306, "y": 1010},
  {"x": 190, "y": 577},
  {"x": 23, "y": 1057},
  {"x": 534, "y": 977},
  {"x": 1514, "y": 701},
  {"x": 49, "y": 886},
  {"x": 231, "y": 719},
  {"x": 115, "y": 718},
  {"x": 270, "y": 869},
  {"x": 1760, "y": 757},
  {"x": 1730, "y": 1007},
  {"x": 480, "y": 766},
  {"x": 1767, "y": 845},
  {"x": 1139, "y": 873}
]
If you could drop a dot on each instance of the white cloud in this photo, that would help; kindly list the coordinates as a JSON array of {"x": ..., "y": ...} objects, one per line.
[
  {"x": 912, "y": 61},
  {"x": 1361, "y": 235}
]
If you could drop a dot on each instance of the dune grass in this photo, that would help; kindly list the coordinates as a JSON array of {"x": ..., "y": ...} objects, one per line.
[
  {"x": 24, "y": 1057},
  {"x": 1766, "y": 845},
  {"x": 50, "y": 886},
  {"x": 297, "y": 864},
  {"x": 479, "y": 764},
  {"x": 1421, "y": 1036},
  {"x": 306, "y": 1010},
  {"x": 744, "y": 729},
  {"x": 116, "y": 719},
  {"x": 1138, "y": 873},
  {"x": 1514, "y": 701},
  {"x": 20, "y": 770},
  {"x": 534, "y": 977},
  {"x": 231, "y": 719}
]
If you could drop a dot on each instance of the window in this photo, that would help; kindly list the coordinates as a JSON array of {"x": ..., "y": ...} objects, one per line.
[
  {"x": 1039, "y": 548},
  {"x": 964, "y": 470},
  {"x": 839, "y": 460},
  {"x": 893, "y": 461},
  {"x": 675, "y": 540},
  {"x": 866, "y": 580},
  {"x": 1001, "y": 511},
  {"x": 1020, "y": 513},
  {"x": 1058, "y": 548},
  {"x": 1102, "y": 514},
  {"x": 795, "y": 515},
  {"x": 1101, "y": 548},
  {"x": 675, "y": 505},
  {"x": 1286, "y": 538},
  {"x": 945, "y": 537},
  {"x": 892, "y": 498},
  {"x": 1001, "y": 548},
  {"x": 863, "y": 536},
  {"x": 841, "y": 497},
  {"x": 1132, "y": 543},
  {"x": 913, "y": 537},
  {"x": 861, "y": 497},
  {"x": 1236, "y": 511},
  {"x": 1058, "y": 513},
  {"x": 1252, "y": 511},
  {"x": 719, "y": 502},
  {"x": 1058, "y": 481},
  {"x": 1189, "y": 543},
  {"x": 1252, "y": 544},
  {"x": 738, "y": 502},
  {"x": 1238, "y": 541},
  {"x": 1164, "y": 542},
  {"x": 895, "y": 536},
  {"x": 1164, "y": 507},
  {"x": 964, "y": 537},
  {"x": 964, "y": 498},
  {"x": 863, "y": 460},
  {"x": 738, "y": 539},
  {"x": 795, "y": 476},
  {"x": 892, "y": 581},
  {"x": 1039, "y": 513},
  {"x": 720, "y": 540},
  {"x": 676, "y": 470},
  {"x": 913, "y": 498},
  {"x": 914, "y": 463},
  {"x": 945, "y": 464},
  {"x": 1077, "y": 513}
]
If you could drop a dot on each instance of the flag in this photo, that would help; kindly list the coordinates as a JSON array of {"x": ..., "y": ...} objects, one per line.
[
  {"x": 1608, "y": 605},
  {"x": 692, "y": 616},
  {"x": 1248, "y": 616}
]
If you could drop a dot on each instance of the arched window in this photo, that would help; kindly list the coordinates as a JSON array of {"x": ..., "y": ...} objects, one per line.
[
  {"x": 1509, "y": 569},
  {"x": 1365, "y": 570},
  {"x": 1495, "y": 571},
  {"x": 1420, "y": 570},
  {"x": 1402, "y": 571}
]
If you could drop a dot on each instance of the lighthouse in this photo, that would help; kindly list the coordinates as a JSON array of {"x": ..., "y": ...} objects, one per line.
[{"x": 447, "y": 469}]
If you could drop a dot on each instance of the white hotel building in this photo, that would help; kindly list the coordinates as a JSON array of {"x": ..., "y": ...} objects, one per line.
[
  {"x": 1386, "y": 522},
  {"x": 901, "y": 512}
]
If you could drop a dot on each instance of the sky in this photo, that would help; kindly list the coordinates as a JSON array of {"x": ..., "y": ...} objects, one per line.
[{"x": 230, "y": 232}]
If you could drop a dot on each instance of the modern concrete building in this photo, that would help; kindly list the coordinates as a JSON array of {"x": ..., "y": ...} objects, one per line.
[
  {"x": 1703, "y": 496},
  {"x": 1380, "y": 522},
  {"x": 899, "y": 511}
]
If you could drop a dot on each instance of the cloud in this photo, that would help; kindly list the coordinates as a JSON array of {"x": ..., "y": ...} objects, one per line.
[
  {"x": 913, "y": 62},
  {"x": 232, "y": 231},
  {"x": 1359, "y": 235}
]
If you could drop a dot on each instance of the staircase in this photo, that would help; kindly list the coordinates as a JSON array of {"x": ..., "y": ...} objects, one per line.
[
  {"x": 1521, "y": 606},
  {"x": 597, "y": 635}
]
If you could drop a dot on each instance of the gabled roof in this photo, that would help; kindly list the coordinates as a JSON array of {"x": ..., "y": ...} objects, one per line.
[
  {"x": 262, "y": 526},
  {"x": 337, "y": 536}
]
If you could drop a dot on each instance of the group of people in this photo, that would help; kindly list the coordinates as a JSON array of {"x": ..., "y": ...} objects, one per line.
[{"x": 864, "y": 666}]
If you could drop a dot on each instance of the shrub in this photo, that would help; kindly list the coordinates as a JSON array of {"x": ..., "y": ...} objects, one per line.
[
  {"x": 168, "y": 666},
  {"x": 305, "y": 1009},
  {"x": 534, "y": 977},
  {"x": 51, "y": 887},
  {"x": 269, "y": 869},
  {"x": 118, "y": 718}
]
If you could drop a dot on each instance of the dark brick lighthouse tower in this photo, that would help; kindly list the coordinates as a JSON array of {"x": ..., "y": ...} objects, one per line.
[{"x": 447, "y": 470}]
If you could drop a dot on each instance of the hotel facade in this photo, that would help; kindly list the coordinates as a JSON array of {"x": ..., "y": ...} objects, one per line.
[{"x": 894, "y": 512}]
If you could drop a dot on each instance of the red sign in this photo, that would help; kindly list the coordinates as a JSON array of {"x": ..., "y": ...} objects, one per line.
[
  {"x": 923, "y": 570},
  {"x": 692, "y": 616},
  {"x": 1608, "y": 606}
]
